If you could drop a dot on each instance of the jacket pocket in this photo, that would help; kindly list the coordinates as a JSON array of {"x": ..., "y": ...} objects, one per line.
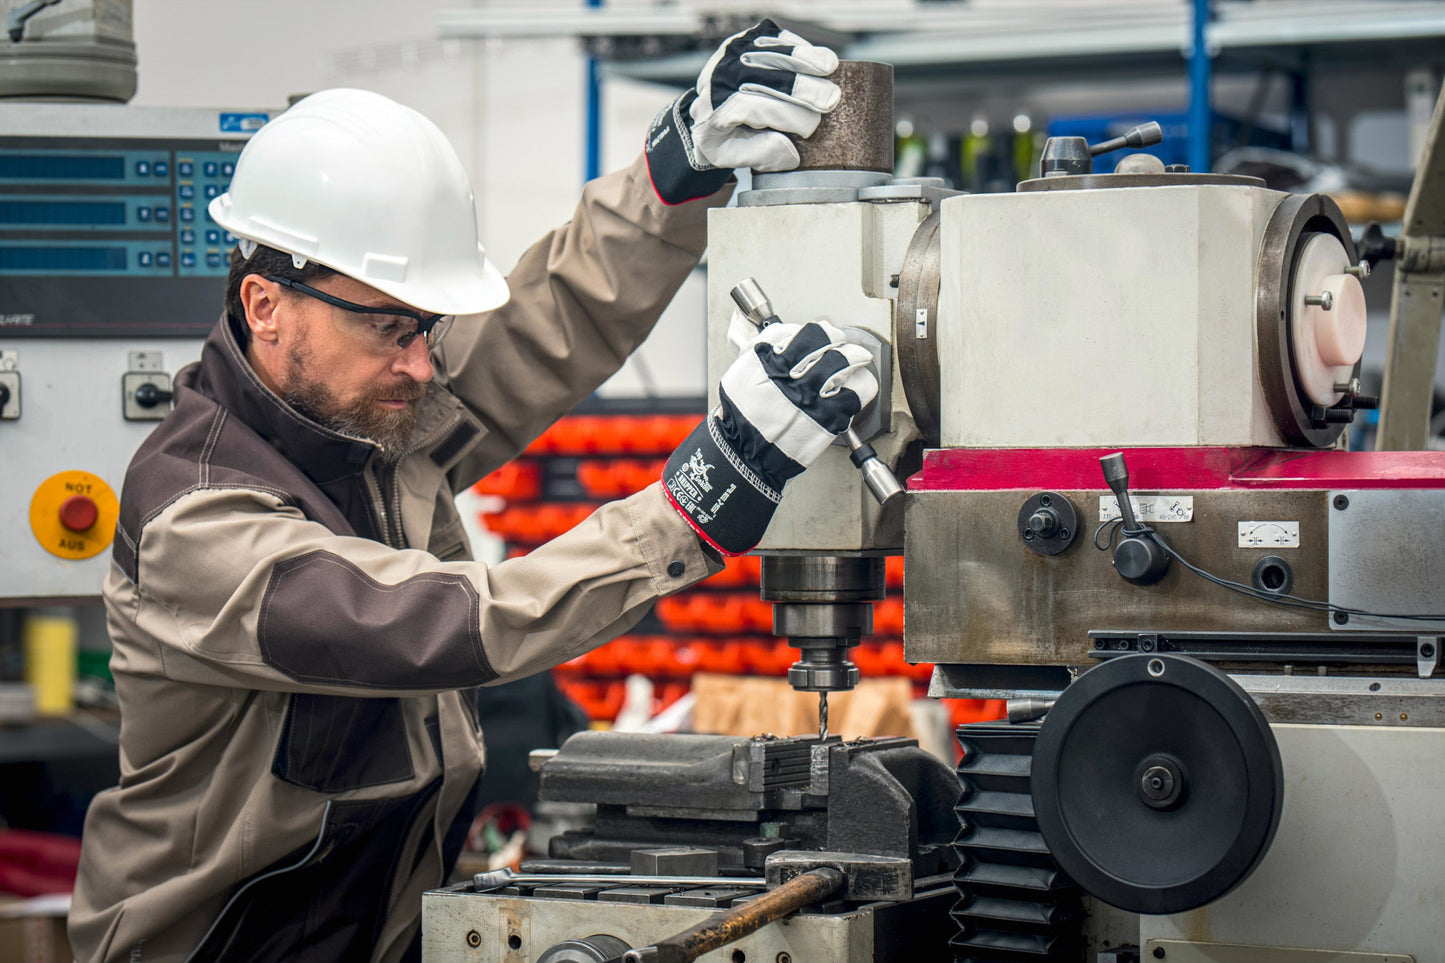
[
  {"x": 334, "y": 744},
  {"x": 326, "y": 901}
]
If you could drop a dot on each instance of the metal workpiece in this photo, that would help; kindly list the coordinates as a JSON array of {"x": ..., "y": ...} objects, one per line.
[{"x": 858, "y": 133}]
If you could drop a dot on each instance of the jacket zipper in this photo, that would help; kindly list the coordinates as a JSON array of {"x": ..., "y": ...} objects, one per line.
[{"x": 381, "y": 485}]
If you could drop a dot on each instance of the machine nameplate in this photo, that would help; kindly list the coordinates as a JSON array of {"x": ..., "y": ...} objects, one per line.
[
  {"x": 1150, "y": 508},
  {"x": 1179, "y": 951},
  {"x": 1269, "y": 534},
  {"x": 920, "y": 324}
]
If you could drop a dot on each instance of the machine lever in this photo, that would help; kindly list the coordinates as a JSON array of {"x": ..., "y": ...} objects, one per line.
[
  {"x": 730, "y": 926},
  {"x": 1139, "y": 557},
  {"x": 882, "y": 484},
  {"x": 1145, "y": 135}
]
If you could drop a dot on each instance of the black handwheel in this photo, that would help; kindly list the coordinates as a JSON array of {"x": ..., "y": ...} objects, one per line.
[{"x": 1156, "y": 783}]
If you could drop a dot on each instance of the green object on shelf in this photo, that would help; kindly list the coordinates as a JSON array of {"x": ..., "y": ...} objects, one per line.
[{"x": 96, "y": 664}]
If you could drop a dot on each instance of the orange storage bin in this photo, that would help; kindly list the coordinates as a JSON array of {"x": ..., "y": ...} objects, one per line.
[
  {"x": 888, "y": 617},
  {"x": 517, "y": 480}
]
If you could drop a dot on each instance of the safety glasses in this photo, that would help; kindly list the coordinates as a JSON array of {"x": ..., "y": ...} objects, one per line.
[{"x": 380, "y": 330}]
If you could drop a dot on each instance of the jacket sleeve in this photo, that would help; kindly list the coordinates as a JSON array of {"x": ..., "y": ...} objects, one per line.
[
  {"x": 582, "y": 299},
  {"x": 236, "y": 588}
]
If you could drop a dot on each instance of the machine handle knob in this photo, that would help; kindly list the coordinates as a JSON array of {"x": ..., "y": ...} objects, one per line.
[
  {"x": 748, "y": 295},
  {"x": 1145, "y": 135},
  {"x": 149, "y": 395}
]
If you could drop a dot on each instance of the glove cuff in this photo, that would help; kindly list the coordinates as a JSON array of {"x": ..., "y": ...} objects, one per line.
[
  {"x": 678, "y": 172},
  {"x": 725, "y": 501}
]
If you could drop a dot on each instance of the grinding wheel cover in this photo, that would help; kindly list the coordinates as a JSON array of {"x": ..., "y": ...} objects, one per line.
[{"x": 1164, "y": 715}]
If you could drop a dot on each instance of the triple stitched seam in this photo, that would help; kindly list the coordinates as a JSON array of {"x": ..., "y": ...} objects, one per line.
[{"x": 748, "y": 475}]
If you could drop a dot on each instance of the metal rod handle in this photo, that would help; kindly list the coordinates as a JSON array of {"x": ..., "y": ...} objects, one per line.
[{"x": 805, "y": 889}]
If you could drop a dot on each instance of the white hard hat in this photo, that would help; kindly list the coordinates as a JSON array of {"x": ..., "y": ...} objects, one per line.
[{"x": 372, "y": 189}]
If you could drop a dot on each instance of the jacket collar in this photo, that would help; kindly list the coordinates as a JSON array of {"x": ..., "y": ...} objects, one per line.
[{"x": 325, "y": 455}]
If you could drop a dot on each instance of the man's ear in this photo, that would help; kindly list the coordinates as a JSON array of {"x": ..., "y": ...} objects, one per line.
[{"x": 259, "y": 298}]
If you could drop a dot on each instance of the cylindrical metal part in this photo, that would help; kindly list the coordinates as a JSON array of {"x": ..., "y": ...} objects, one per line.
[
  {"x": 822, "y": 578},
  {"x": 748, "y": 295},
  {"x": 858, "y": 133},
  {"x": 829, "y": 620},
  {"x": 822, "y": 668}
]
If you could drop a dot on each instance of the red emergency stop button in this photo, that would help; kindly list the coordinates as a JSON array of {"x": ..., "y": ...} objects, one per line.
[
  {"x": 73, "y": 514},
  {"x": 79, "y": 513}
]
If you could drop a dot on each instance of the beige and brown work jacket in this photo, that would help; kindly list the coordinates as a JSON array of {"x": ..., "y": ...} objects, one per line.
[{"x": 298, "y": 629}]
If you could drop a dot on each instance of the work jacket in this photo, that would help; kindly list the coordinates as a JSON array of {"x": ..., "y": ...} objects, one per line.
[{"x": 298, "y": 628}]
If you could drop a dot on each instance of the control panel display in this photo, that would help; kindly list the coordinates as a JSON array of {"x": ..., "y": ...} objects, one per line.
[{"x": 111, "y": 237}]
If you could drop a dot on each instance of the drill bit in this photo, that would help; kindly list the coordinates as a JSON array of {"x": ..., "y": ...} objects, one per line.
[{"x": 822, "y": 717}]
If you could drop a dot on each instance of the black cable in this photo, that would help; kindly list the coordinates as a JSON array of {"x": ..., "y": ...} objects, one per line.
[{"x": 1292, "y": 601}]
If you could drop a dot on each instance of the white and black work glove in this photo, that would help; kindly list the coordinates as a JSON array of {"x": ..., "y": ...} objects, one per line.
[
  {"x": 788, "y": 395},
  {"x": 760, "y": 86}
]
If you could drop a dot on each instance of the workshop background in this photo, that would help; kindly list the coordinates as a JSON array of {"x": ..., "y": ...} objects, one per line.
[{"x": 1314, "y": 95}]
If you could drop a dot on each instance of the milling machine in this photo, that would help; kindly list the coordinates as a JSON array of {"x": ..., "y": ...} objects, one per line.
[{"x": 1121, "y": 400}]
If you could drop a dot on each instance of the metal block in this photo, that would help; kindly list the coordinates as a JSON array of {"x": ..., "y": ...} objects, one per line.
[
  {"x": 1380, "y": 563},
  {"x": 567, "y": 891},
  {"x": 713, "y": 898},
  {"x": 685, "y": 861},
  {"x": 635, "y": 894},
  {"x": 1158, "y": 282},
  {"x": 867, "y": 878}
]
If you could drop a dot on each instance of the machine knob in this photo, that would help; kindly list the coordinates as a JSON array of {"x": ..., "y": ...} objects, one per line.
[
  {"x": 78, "y": 513},
  {"x": 1141, "y": 560},
  {"x": 149, "y": 395},
  {"x": 1044, "y": 522}
]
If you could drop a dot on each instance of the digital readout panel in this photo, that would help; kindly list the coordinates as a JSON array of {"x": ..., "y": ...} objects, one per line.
[{"x": 111, "y": 237}]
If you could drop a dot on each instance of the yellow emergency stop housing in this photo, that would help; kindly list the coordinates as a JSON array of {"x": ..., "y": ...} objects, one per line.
[{"x": 73, "y": 514}]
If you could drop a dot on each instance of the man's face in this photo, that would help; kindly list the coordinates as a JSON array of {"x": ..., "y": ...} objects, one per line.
[{"x": 337, "y": 370}]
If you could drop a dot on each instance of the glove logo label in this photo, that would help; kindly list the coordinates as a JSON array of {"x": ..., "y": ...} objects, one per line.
[
  {"x": 690, "y": 483},
  {"x": 698, "y": 468}
]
